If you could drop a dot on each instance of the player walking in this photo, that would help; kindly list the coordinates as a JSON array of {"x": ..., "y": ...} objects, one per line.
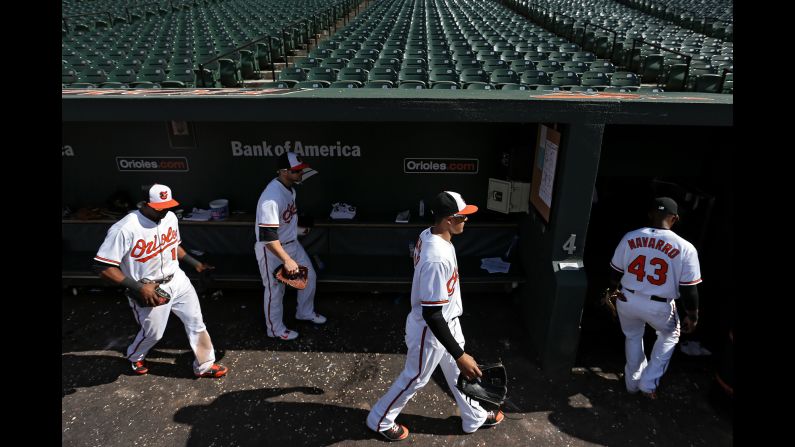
[
  {"x": 654, "y": 267},
  {"x": 141, "y": 251},
  {"x": 276, "y": 232},
  {"x": 433, "y": 331}
]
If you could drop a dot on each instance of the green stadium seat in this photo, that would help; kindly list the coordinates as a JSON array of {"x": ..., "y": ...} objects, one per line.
[
  {"x": 379, "y": 84},
  {"x": 144, "y": 84},
  {"x": 515, "y": 87},
  {"x": 446, "y": 86},
  {"x": 172, "y": 84},
  {"x": 248, "y": 65},
  {"x": 152, "y": 74},
  {"x": 123, "y": 75},
  {"x": 322, "y": 74},
  {"x": 313, "y": 84},
  {"x": 625, "y": 79},
  {"x": 353, "y": 74},
  {"x": 117, "y": 85},
  {"x": 503, "y": 76},
  {"x": 480, "y": 86},
  {"x": 346, "y": 84}
]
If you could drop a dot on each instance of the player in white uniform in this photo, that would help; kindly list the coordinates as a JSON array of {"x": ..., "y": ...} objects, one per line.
[
  {"x": 654, "y": 267},
  {"x": 433, "y": 330},
  {"x": 276, "y": 229},
  {"x": 141, "y": 251}
]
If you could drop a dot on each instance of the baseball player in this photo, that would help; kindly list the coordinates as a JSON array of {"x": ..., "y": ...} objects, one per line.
[
  {"x": 653, "y": 267},
  {"x": 433, "y": 330},
  {"x": 276, "y": 232},
  {"x": 141, "y": 251}
]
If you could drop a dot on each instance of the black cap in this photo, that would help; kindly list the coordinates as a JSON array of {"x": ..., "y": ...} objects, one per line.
[
  {"x": 447, "y": 203},
  {"x": 291, "y": 161},
  {"x": 665, "y": 205}
]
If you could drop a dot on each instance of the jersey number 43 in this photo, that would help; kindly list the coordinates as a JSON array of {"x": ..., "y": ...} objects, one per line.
[{"x": 657, "y": 266}]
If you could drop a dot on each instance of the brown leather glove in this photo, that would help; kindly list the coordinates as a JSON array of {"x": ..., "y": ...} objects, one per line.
[
  {"x": 297, "y": 280},
  {"x": 609, "y": 300}
]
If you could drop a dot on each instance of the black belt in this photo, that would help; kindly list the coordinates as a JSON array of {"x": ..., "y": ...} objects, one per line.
[
  {"x": 158, "y": 281},
  {"x": 652, "y": 297}
]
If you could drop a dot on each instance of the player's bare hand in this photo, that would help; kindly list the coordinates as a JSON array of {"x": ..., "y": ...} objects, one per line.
[
  {"x": 149, "y": 295},
  {"x": 202, "y": 267},
  {"x": 468, "y": 367},
  {"x": 291, "y": 267}
]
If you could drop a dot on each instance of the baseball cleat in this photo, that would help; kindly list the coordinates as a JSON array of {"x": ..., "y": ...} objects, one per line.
[
  {"x": 288, "y": 335},
  {"x": 140, "y": 367},
  {"x": 493, "y": 418},
  {"x": 651, "y": 395},
  {"x": 317, "y": 319},
  {"x": 214, "y": 372},
  {"x": 397, "y": 432}
]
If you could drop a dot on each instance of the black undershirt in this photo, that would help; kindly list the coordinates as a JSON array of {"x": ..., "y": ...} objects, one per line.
[
  {"x": 436, "y": 322},
  {"x": 268, "y": 234}
]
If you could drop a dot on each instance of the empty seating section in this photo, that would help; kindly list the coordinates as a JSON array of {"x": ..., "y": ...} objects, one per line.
[
  {"x": 175, "y": 36},
  {"x": 581, "y": 45},
  {"x": 651, "y": 39}
]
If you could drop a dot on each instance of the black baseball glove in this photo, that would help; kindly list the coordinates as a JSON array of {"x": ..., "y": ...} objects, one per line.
[
  {"x": 162, "y": 297},
  {"x": 491, "y": 388}
]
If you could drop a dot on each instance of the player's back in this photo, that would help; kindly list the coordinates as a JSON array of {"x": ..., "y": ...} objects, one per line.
[{"x": 656, "y": 261}]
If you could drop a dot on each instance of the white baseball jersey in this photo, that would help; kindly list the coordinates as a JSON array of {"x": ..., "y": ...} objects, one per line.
[
  {"x": 276, "y": 208},
  {"x": 436, "y": 280},
  {"x": 142, "y": 248},
  {"x": 656, "y": 262}
]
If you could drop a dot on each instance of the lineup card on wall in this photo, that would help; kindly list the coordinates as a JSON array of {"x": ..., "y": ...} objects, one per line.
[{"x": 544, "y": 165}]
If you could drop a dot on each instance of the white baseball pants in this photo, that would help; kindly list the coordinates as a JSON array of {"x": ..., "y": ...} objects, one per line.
[
  {"x": 274, "y": 290},
  {"x": 640, "y": 373},
  {"x": 153, "y": 320},
  {"x": 424, "y": 353}
]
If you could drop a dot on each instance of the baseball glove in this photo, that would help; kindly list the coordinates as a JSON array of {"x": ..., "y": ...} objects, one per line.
[
  {"x": 491, "y": 388},
  {"x": 297, "y": 280},
  {"x": 163, "y": 297},
  {"x": 609, "y": 300}
]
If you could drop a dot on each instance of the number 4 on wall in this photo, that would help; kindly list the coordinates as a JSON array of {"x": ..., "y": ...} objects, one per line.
[{"x": 569, "y": 245}]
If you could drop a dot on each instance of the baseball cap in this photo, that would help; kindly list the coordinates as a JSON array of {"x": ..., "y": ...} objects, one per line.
[
  {"x": 447, "y": 203},
  {"x": 160, "y": 197},
  {"x": 291, "y": 161},
  {"x": 666, "y": 204}
]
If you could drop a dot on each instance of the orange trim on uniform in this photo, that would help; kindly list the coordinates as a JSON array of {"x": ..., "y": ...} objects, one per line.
[
  {"x": 616, "y": 268},
  {"x": 160, "y": 250},
  {"x": 268, "y": 225},
  {"x": 435, "y": 302},
  {"x": 690, "y": 283},
  {"x": 107, "y": 261}
]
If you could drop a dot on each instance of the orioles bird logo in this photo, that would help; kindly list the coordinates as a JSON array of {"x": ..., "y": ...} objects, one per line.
[{"x": 164, "y": 195}]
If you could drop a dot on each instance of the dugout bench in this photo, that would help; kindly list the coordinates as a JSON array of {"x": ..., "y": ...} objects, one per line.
[{"x": 371, "y": 255}]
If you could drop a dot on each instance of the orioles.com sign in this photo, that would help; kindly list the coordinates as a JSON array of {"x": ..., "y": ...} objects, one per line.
[
  {"x": 128, "y": 164},
  {"x": 440, "y": 165}
]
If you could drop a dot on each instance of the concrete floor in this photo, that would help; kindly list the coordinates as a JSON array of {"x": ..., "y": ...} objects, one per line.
[{"x": 317, "y": 389}]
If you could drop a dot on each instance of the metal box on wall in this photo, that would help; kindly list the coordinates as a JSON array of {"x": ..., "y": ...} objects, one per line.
[{"x": 508, "y": 197}]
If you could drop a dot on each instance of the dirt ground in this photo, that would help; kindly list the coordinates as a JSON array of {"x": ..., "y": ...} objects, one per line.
[{"x": 317, "y": 389}]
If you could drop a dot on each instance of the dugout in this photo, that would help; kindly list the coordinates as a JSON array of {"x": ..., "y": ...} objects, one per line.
[{"x": 363, "y": 144}]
